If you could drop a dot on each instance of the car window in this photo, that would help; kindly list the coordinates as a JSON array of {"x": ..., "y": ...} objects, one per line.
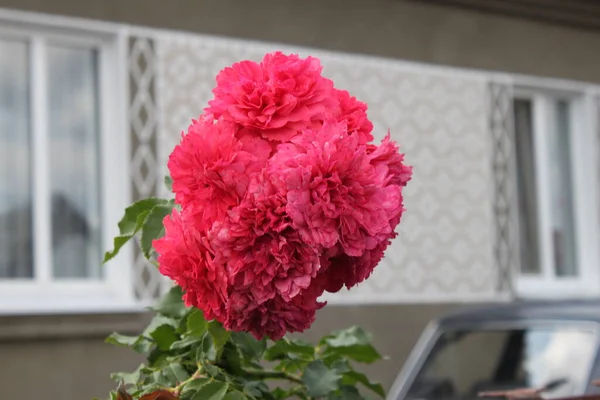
[{"x": 464, "y": 363}]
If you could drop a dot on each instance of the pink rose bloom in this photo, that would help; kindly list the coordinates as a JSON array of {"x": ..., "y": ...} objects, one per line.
[
  {"x": 283, "y": 196},
  {"x": 275, "y": 317},
  {"x": 387, "y": 155},
  {"x": 263, "y": 254},
  {"x": 334, "y": 194},
  {"x": 279, "y": 97},
  {"x": 185, "y": 257},
  {"x": 339, "y": 269},
  {"x": 211, "y": 168},
  {"x": 354, "y": 114}
]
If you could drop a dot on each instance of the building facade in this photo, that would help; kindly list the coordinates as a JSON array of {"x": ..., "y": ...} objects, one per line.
[{"x": 499, "y": 114}]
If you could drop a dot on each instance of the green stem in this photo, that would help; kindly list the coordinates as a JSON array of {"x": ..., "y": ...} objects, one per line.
[
  {"x": 273, "y": 375},
  {"x": 198, "y": 374}
]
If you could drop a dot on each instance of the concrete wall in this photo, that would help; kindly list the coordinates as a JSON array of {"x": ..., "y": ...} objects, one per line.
[
  {"x": 391, "y": 28},
  {"x": 76, "y": 368},
  {"x": 66, "y": 358},
  {"x": 63, "y": 357}
]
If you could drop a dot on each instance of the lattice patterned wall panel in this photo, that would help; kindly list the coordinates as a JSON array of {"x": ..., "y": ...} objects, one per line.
[
  {"x": 503, "y": 164},
  {"x": 143, "y": 115},
  {"x": 445, "y": 246}
]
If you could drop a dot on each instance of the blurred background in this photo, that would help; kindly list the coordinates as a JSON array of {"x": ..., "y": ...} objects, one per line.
[{"x": 496, "y": 104}]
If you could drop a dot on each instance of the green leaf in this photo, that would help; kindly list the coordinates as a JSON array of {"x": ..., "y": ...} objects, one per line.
[
  {"x": 346, "y": 393},
  {"x": 153, "y": 227},
  {"x": 158, "y": 358},
  {"x": 157, "y": 321},
  {"x": 211, "y": 391},
  {"x": 194, "y": 385},
  {"x": 250, "y": 348},
  {"x": 118, "y": 242},
  {"x": 122, "y": 340},
  {"x": 196, "y": 324},
  {"x": 164, "y": 378},
  {"x": 131, "y": 223},
  {"x": 280, "y": 394},
  {"x": 164, "y": 336},
  {"x": 137, "y": 343},
  {"x": 353, "y": 343},
  {"x": 171, "y": 305},
  {"x": 352, "y": 377},
  {"x": 211, "y": 370},
  {"x": 129, "y": 378},
  {"x": 182, "y": 322},
  {"x": 291, "y": 366},
  {"x": 348, "y": 337},
  {"x": 284, "y": 347},
  {"x": 231, "y": 360},
  {"x": 219, "y": 334},
  {"x": 186, "y": 342},
  {"x": 209, "y": 351},
  {"x": 235, "y": 396},
  {"x": 255, "y": 389},
  {"x": 362, "y": 353},
  {"x": 341, "y": 366},
  {"x": 169, "y": 183},
  {"x": 319, "y": 379},
  {"x": 178, "y": 372}
]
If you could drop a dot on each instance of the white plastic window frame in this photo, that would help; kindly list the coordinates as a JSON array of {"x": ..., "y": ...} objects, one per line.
[
  {"x": 113, "y": 292},
  {"x": 585, "y": 179}
]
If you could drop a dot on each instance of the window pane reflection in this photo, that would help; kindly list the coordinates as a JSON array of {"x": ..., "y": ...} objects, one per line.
[
  {"x": 16, "y": 233},
  {"x": 561, "y": 187},
  {"x": 527, "y": 195},
  {"x": 74, "y": 162},
  {"x": 458, "y": 369}
]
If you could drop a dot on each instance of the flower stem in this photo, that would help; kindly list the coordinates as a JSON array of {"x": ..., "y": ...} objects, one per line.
[{"x": 198, "y": 374}]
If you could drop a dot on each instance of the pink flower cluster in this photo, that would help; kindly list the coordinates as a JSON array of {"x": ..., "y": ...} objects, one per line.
[{"x": 282, "y": 197}]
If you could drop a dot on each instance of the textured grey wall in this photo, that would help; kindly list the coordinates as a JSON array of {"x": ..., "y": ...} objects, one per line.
[{"x": 66, "y": 369}]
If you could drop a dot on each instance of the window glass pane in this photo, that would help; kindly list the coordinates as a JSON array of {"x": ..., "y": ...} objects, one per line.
[
  {"x": 526, "y": 185},
  {"x": 561, "y": 188},
  {"x": 16, "y": 233},
  {"x": 458, "y": 369},
  {"x": 74, "y": 161}
]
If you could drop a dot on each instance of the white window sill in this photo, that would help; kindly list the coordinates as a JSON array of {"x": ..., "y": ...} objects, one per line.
[
  {"x": 29, "y": 298},
  {"x": 556, "y": 289},
  {"x": 79, "y": 308}
]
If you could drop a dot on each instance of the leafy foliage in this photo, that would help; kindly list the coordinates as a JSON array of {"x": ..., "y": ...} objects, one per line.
[
  {"x": 190, "y": 358},
  {"x": 145, "y": 216}
]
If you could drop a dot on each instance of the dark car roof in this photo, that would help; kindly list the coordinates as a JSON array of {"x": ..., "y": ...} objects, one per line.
[{"x": 565, "y": 310}]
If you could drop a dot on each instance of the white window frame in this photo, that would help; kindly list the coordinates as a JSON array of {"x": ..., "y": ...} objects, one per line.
[
  {"x": 114, "y": 292},
  {"x": 584, "y": 157}
]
